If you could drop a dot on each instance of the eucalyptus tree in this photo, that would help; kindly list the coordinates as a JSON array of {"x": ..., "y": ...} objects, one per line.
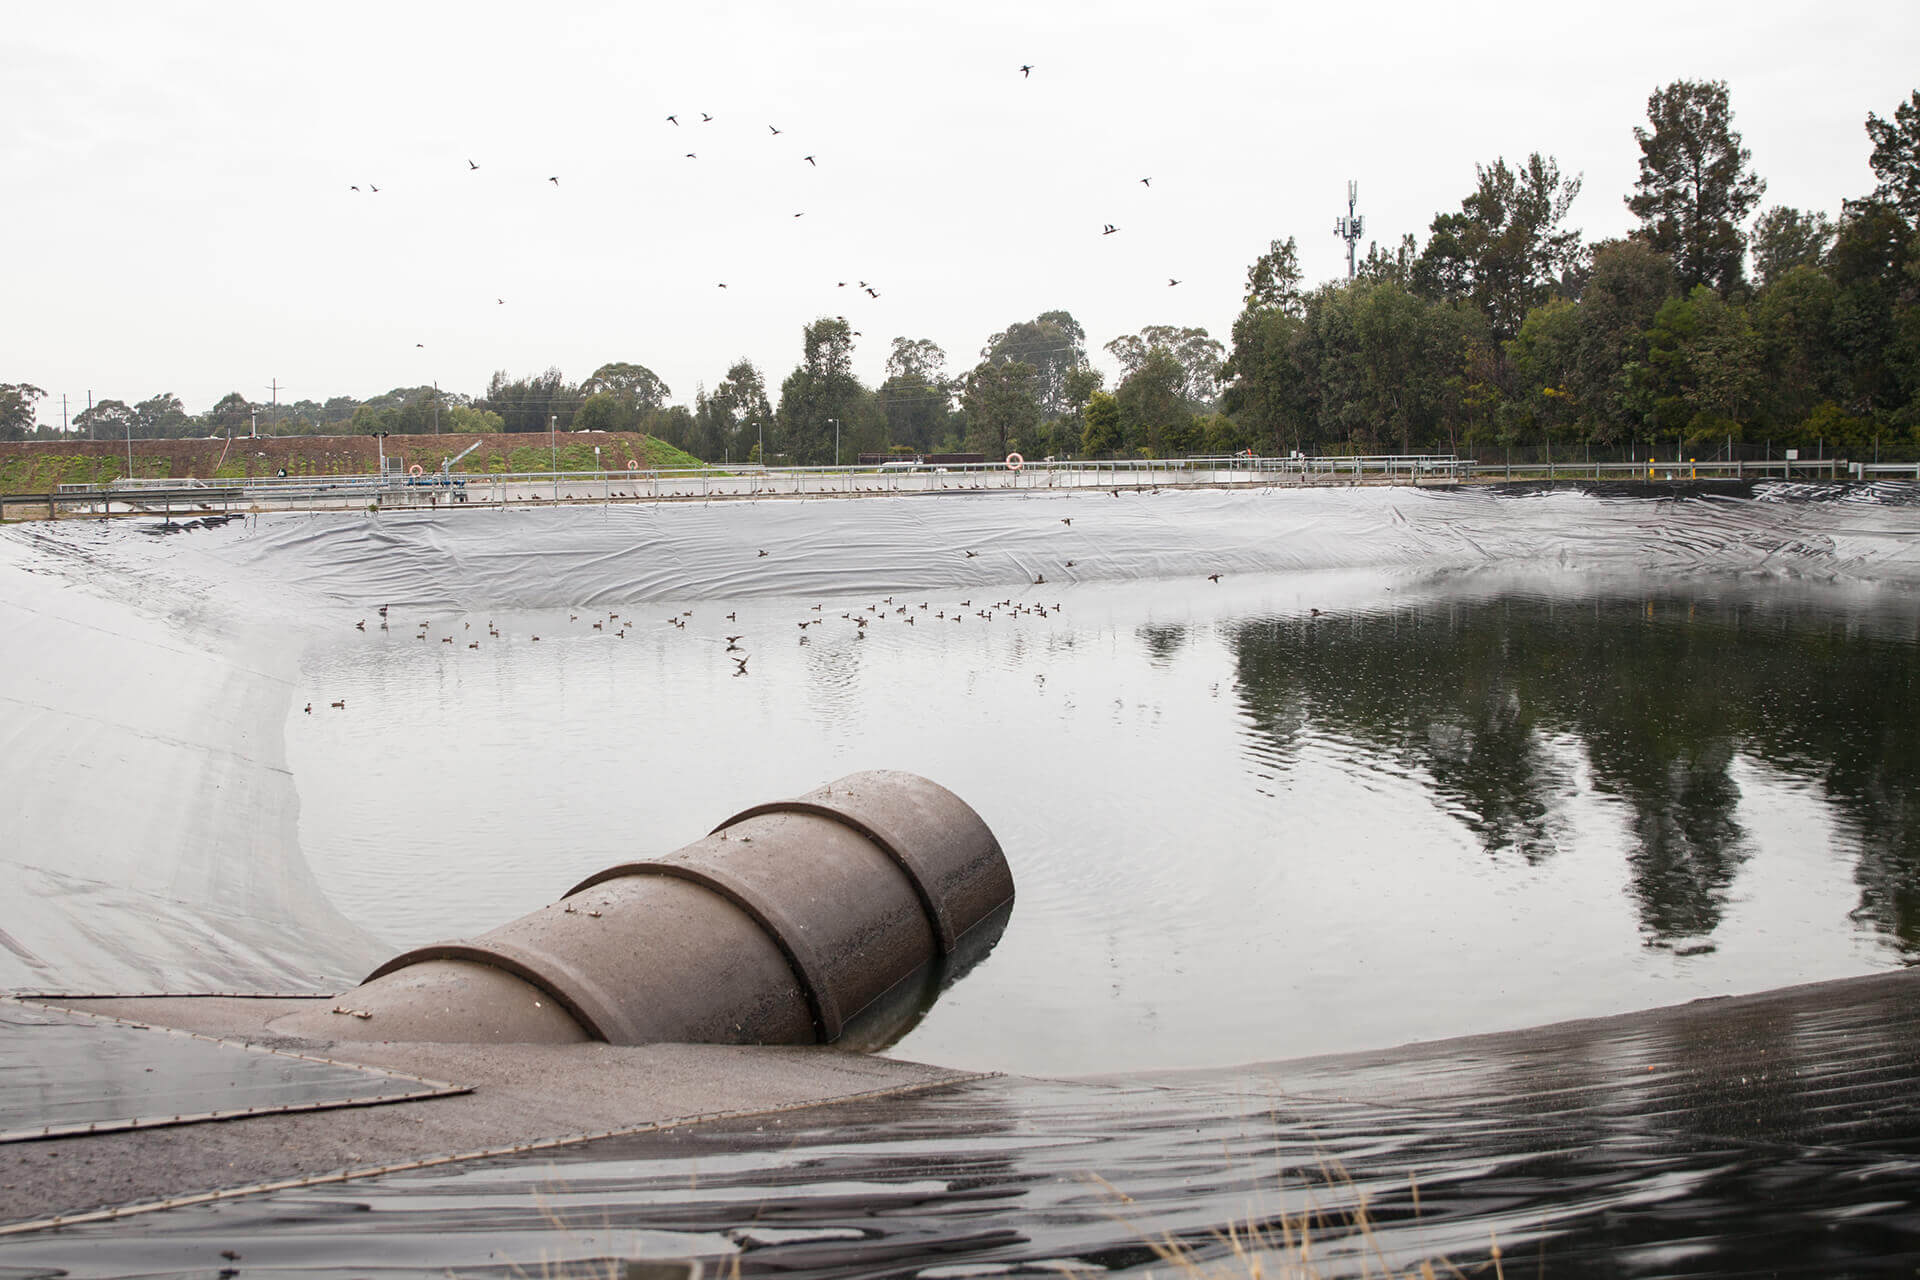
[
  {"x": 1155, "y": 414},
  {"x": 916, "y": 398},
  {"x": 16, "y": 409},
  {"x": 160, "y": 416},
  {"x": 106, "y": 420},
  {"x": 731, "y": 420},
  {"x": 1003, "y": 404},
  {"x": 1198, "y": 356},
  {"x": 1054, "y": 344}
]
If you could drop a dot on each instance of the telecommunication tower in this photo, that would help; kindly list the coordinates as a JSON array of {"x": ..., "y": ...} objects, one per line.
[{"x": 1351, "y": 227}]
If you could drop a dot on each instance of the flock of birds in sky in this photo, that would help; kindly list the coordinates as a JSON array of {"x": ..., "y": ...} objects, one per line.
[{"x": 811, "y": 159}]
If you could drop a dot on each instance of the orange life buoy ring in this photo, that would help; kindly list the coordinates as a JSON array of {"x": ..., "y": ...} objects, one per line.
[
  {"x": 632, "y": 465},
  {"x": 1015, "y": 462},
  {"x": 415, "y": 470}
]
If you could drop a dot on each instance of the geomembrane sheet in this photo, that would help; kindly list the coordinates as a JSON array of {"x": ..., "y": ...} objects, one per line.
[{"x": 64, "y": 1073}]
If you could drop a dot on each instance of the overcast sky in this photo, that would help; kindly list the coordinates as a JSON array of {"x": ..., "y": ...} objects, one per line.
[{"x": 179, "y": 213}]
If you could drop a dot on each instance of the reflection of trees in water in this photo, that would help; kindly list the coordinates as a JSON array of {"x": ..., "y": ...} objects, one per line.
[
  {"x": 1661, "y": 693},
  {"x": 1163, "y": 642}
]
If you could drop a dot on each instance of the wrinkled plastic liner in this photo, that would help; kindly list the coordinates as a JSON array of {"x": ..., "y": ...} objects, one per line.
[
  {"x": 1722, "y": 1137},
  {"x": 64, "y": 1074}
]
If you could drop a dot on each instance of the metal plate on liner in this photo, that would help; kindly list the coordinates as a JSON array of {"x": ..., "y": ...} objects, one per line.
[{"x": 66, "y": 1073}]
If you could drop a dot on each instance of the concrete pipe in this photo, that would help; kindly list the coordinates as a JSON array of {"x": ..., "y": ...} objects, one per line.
[{"x": 833, "y": 918}]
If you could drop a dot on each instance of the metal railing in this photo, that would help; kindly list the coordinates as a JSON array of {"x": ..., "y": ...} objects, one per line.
[{"x": 395, "y": 491}]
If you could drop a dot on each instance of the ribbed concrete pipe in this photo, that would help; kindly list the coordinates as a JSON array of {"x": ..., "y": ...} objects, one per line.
[{"x": 831, "y": 918}]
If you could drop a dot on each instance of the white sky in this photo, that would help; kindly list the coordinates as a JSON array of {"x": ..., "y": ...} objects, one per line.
[{"x": 178, "y": 215}]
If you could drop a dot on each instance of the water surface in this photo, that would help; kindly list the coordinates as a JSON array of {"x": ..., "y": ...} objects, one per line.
[{"x": 1240, "y": 829}]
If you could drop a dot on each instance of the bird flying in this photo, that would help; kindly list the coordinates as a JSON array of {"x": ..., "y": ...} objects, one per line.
[
  {"x": 1171, "y": 282},
  {"x": 673, "y": 120},
  {"x": 705, "y": 118},
  {"x": 1026, "y": 71},
  {"x": 1108, "y": 229},
  {"x": 554, "y": 181},
  {"x": 471, "y": 165},
  {"x": 810, "y": 160},
  {"x": 1146, "y": 182},
  {"x": 775, "y": 132}
]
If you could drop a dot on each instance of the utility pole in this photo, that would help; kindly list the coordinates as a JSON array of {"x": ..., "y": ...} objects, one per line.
[
  {"x": 63, "y": 415},
  {"x": 1350, "y": 228},
  {"x": 275, "y": 412}
]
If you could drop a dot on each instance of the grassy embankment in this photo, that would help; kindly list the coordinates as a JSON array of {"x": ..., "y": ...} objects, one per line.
[{"x": 41, "y": 466}]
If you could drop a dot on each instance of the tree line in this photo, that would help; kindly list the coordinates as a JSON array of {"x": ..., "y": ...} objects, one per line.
[
  {"x": 1504, "y": 330},
  {"x": 1708, "y": 328}
]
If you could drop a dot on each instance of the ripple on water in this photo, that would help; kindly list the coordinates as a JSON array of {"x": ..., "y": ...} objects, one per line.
[{"x": 1238, "y": 830}]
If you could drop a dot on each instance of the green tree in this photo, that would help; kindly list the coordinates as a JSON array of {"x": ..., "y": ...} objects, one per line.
[
  {"x": 1505, "y": 249},
  {"x": 1002, "y": 400},
  {"x": 1625, "y": 289},
  {"x": 16, "y": 409},
  {"x": 602, "y": 411},
  {"x": 1546, "y": 361},
  {"x": 1397, "y": 266},
  {"x": 1874, "y": 263},
  {"x": 1273, "y": 281},
  {"x": 819, "y": 392},
  {"x": 539, "y": 403},
  {"x": 1695, "y": 187},
  {"x": 231, "y": 415},
  {"x": 1785, "y": 238},
  {"x": 626, "y": 394},
  {"x": 161, "y": 416},
  {"x": 1054, "y": 344},
  {"x": 1702, "y": 369},
  {"x": 465, "y": 419},
  {"x": 1199, "y": 356},
  {"x": 673, "y": 423},
  {"x": 1793, "y": 325},
  {"x": 916, "y": 399},
  {"x": 1896, "y": 157},
  {"x": 1390, "y": 356},
  {"x": 1153, "y": 404},
  {"x": 107, "y": 420},
  {"x": 1269, "y": 387},
  {"x": 731, "y": 420},
  {"x": 1100, "y": 436}
]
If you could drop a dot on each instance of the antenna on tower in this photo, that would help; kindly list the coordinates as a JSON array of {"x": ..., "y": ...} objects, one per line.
[{"x": 1351, "y": 227}]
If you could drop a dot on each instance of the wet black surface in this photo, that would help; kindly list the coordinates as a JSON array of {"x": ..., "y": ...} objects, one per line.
[
  {"x": 1766, "y": 1135},
  {"x": 63, "y": 1073}
]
